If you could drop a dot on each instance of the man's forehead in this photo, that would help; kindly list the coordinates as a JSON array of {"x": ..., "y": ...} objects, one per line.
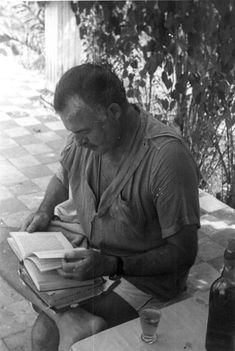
[
  {"x": 75, "y": 105},
  {"x": 76, "y": 108},
  {"x": 76, "y": 102}
]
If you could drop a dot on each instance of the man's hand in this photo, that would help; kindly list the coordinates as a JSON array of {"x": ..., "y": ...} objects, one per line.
[
  {"x": 83, "y": 264},
  {"x": 55, "y": 193},
  {"x": 37, "y": 221}
]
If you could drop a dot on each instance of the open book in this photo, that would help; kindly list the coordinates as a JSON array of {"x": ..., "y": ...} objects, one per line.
[
  {"x": 44, "y": 249},
  {"x": 41, "y": 254}
]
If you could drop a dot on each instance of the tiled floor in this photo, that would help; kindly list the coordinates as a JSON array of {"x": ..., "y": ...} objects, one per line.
[{"x": 30, "y": 140}]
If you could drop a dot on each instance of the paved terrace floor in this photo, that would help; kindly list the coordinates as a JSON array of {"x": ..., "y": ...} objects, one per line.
[{"x": 31, "y": 138}]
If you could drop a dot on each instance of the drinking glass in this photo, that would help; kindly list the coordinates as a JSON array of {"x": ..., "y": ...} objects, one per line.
[{"x": 149, "y": 320}]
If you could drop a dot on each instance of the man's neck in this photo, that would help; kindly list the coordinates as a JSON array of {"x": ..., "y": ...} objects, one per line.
[{"x": 130, "y": 122}]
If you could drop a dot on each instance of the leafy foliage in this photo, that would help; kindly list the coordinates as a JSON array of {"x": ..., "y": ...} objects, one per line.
[
  {"x": 176, "y": 57},
  {"x": 22, "y": 29}
]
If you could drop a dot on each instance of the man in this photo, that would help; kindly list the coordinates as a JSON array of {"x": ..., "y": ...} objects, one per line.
[{"x": 134, "y": 186}]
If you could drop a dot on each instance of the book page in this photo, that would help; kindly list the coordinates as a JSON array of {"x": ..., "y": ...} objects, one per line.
[
  {"x": 40, "y": 241},
  {"x": 47, "y": 264},
  {"x": 15, "y": 248},
  {"x": 55, "y": 253}
]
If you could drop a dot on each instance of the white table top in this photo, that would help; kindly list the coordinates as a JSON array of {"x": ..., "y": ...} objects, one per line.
[{"x": 182, "y": 328}]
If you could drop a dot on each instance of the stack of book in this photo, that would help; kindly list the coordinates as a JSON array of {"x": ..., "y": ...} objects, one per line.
[{"x": 40, "y": 255}]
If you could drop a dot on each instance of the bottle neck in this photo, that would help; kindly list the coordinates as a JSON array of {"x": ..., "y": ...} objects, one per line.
[{"x": 229, "y": 270}]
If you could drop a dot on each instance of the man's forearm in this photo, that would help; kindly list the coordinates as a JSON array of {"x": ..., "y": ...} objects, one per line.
[
  {"x": 56, "y": 193},
  {"x": 178, "y": 253},
  {"x": 164, "y": 259}
]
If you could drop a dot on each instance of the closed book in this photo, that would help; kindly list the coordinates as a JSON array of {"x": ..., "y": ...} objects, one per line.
[{"x": 59, "y": 299}]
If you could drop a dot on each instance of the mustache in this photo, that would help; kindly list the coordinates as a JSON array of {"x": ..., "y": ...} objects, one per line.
[{"x": 85, "y": 143}]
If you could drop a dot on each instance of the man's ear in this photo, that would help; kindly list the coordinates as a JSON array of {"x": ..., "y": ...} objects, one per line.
[{"x": 114, "y": 111}]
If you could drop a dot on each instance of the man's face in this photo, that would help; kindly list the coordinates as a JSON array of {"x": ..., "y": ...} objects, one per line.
[{"x": 92, "y": 127}]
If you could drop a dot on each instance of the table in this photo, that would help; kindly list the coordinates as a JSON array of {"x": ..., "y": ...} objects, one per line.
[{"x": 182, "y": 328}]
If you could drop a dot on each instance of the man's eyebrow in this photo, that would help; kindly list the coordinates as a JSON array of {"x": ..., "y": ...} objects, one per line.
[{"x": 82, "y": 130}]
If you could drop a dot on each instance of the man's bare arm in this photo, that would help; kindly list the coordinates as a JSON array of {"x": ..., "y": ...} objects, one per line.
[
  {"x": 179, "y": 252},
  {"x": 55, "y": 193}
]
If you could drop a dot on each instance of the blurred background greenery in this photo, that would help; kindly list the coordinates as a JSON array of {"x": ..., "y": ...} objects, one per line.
[{"x": 176, "y": 58}]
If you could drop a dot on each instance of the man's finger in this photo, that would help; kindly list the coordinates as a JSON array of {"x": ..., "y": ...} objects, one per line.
[
  {"x": 26, "y": 223},
  {"x": 24, "y": 227},
  {"x": 78, "y": 253},
  {"x": 32, "y": 227},
  {"x": 71, "y": 266},
  {"x": 65, "y": 274}
]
